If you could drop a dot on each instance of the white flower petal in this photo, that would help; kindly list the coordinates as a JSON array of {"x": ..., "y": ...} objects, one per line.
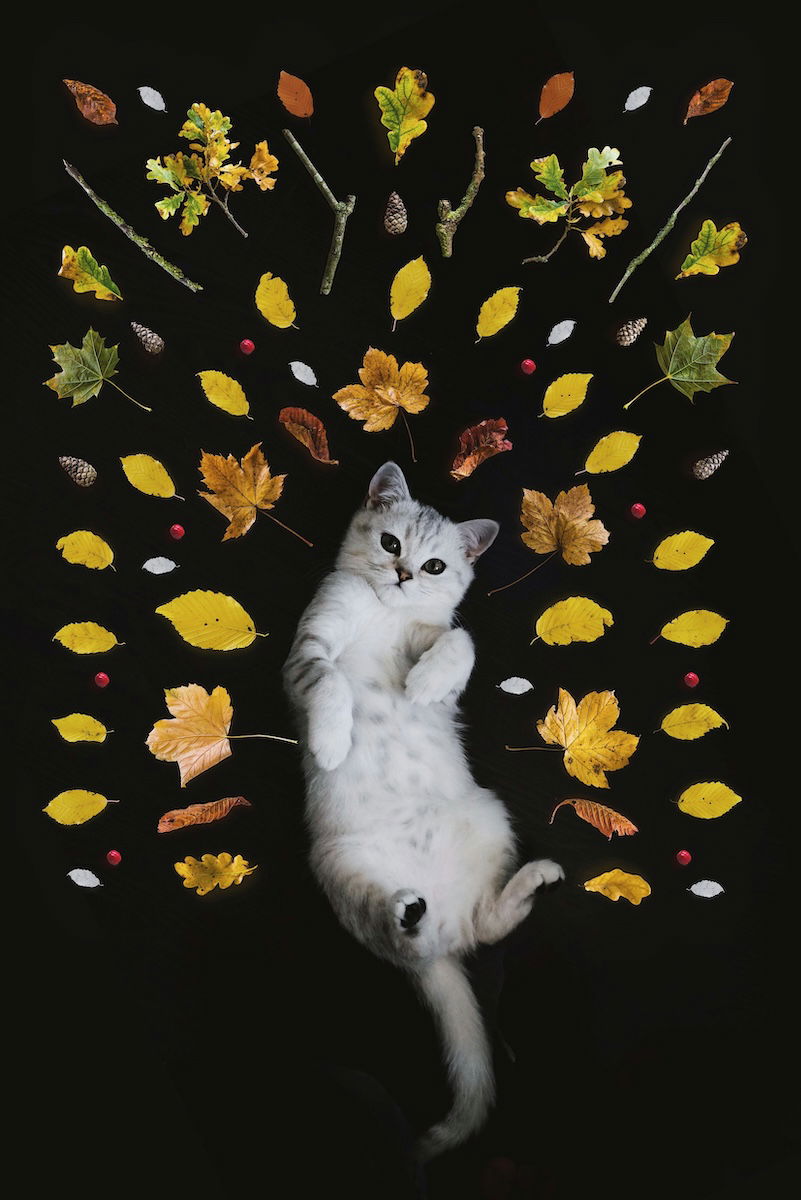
[
  {"x": 84, "y": 878},
  {"x": 561, "y": 332},
  {"x": 304, "y": 373},
  {"x": 152, "y": 98},
  {"x": 516, "y": 685},
  {"x": 706, "y": 887},
  {"x": 159, "y": 566},
  {"x": 637, "y": 98}
]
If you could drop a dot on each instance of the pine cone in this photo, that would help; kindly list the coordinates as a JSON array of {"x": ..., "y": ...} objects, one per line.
[
  {"x": 80, "y": 472},
  {"x": 150, "y": 340},
  {"x": 707, "y": 466},
  {"x": 395, "y": 219},
  {"x": 629, "y": 332}
]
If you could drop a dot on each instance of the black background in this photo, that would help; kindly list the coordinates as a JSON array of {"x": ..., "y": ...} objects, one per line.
[{"x": 182, "y": 1041}]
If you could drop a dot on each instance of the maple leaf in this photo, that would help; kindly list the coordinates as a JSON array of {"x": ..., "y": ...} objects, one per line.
[
  {"x": 563, "y": 525},
  {"x": 84, "y": 370},
  {"x": 196, "y": 736},
  {"x": 712, "y": 249},
  {"x": 477, "y": 444},
  {"x": 240, "y": 489},
  {"x": 385, "y": 388},
  {"x": 689, "y": 362},
  {"x": 403, "y": 109},
  {"x": 592, "y": 747}
]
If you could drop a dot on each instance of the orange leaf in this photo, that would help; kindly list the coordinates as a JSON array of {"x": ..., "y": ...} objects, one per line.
[
  {"x": 605, "y": 819},
  {"x": 309, "y": 430},
  {"x": 240, "y": 490},
  {"x": 93, "y": 104},
  {"x": 563, "y": 525},
  {"x": 295, "y": 95},
  {"x": 556, "y": 94},
  {"x": 196, "y": 737},
  {"x": 200, "y": 814},
  {"x": 478, "y": 443},
  {"x": 384, "y": 389},
  {"x": 709, "y": 98}
]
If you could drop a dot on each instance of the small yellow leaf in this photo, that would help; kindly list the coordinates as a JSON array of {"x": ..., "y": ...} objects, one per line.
[
  {"x": 213, "y": 870},
  {"x": 409, "y": 288},
  {"x": 274, "y": 302},
  {"x": 690, "y": 721},
  {"x": 497, "y": 311},
  {"x": 79, "y": 727},
  {"x": 708, "y": 800},
  {"x": 617, "y": 883},
  {"x": 698, "y": 627},
  {"x": 148, "y": 475},
  {"x": 612, "y": 452},
  {"x": 576, "y": 619},
  {"x": 85, "y": 549},
  {"x": 75, "y": 807},
  {"x": 85, "y": 637},
  {"x": 681, "y": 550},
  {"x": 225, "y": 392},
  {"x": 564, "y": 394},
  {"x": 210, "y": 620}
]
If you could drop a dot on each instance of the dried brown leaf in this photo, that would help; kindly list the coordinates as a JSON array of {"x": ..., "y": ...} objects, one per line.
[
  {"x": 557, "y": 92},
  {"x": 602, "y": 818},
  {"x": 479, "y": 443},
  {"x": 295, "y": 95},
  {"x": 93, "y": 104},
  {"x": 240, "y": 490},
  {"x": 563, "y": 525},
  {"x": 709, "y": 98},
  {"x": 309, "y": 430},
  {"x": 200, "y": 814}
]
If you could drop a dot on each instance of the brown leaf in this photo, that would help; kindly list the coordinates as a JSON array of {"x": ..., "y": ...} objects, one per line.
[
  {"x": 240, "y": 490},
  {"x": 196, "y": 737},
  {"x": 478, "y": 443},
  {"x": 709, "y": 98},
  {"x": 564, "y": 525},
  {"x": 309, "y": 430},
  {"x": 605, "y": 819},
  {"x": 93, "y": 104},
  {"x": 556, "y": 94},
  {"x": 592, "y": 747},
  {"x": 201, "y": 814},
  {"x": 384, "y": 389},
  {"x": 295, "y": 95}
]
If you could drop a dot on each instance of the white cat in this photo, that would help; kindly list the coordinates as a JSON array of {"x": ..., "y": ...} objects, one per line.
[{"x": 416, "y": 859}]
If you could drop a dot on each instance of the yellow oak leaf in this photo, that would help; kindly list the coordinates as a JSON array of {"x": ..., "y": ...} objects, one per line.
[
  {"x": 564, "y": 394},
  {"x": 497, "y": 311},
  {"x": 85, "y": 549},
  {"x": 403, "y": 109},
  {"x": 80, "y": 727},
  {"x": 607, "y": 197},
  {"x": 75, "y": 806},
  {"x": 148, "y": 475},
  {"x": 698, "y": 627},
  {"x": 274, "y": 302},
  {"x": 213, "y": 870},
  {"x": 240, "y": 490},
  {"x": 86, "y": 273},
  {"x": 576, "y": 619},
  {"x": 691, "y": 721},
  {"x": 608, "y": 228},
  {"x": 592, "y": 747},
  {"x": 225, "y": 392},
  {"x": 86, "y": 637},
  {"x": 210, "y": 620},
  {"x": 681, "y": 550},
  {"x": 262, "y": 165},
  {"x": 409, "y": 288},
  {"x": 713, "y": 249},
  {"x": 617, "y": 883},
  {"x": 612, "y": 452},
  {"x": 563, "y": 525},
  {"x": 385, "y": 388},
  {"x": 708, "y": 800},
  {"x": 196, "y": 735}
]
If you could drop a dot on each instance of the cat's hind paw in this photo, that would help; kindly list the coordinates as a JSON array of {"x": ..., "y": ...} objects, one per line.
[{"x": 408, "y": 909}]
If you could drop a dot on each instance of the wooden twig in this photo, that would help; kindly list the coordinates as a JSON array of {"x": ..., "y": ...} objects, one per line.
[
  {"x": 142, "y": 243},
  {"x": 340, "y": 208},
  {"x": 449, "y": 218}
]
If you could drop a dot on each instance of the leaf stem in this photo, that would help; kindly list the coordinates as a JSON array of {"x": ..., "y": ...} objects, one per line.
[
  {"x": 449, "y": 218},
  {"x": 226, "y": 210},
  {"x": 409, "y": 433},
  {"x": 289, "y": 530},
  {"x": 522, "y": 577},
  {"x": 645, "y": 389},
  {"x": 340, "y": 208},
  {"x": 127, "y": 397},
  {"x": 233, "y": 737},
  {"x": 558, "y": 749}
]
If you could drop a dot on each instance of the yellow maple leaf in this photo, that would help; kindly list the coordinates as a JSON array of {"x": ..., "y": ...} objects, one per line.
[
  {"x": 210, "y": 620},
  {"x": 213, "y": 870},
  {"x": 385, "y": 388},
  {"x": 497, "y": 311},
  {"x": 409, "y": 288},
  {"x": 592, "y": 747},
  {"x": 240, "y": 490},
  {"x": 617, "y": 883},
  {"x": 564, "y": 525},
  {"x": 403, "y": 109},
  {"x": 274, "y": 301},
  {"x": 225, "y": 392},
  {"x": 196, "y": 736}
]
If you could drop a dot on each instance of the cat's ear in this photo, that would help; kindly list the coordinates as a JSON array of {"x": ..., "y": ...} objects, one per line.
[
  {"x": 387, "y": 486},
  {"x": 477, "y": 536}
]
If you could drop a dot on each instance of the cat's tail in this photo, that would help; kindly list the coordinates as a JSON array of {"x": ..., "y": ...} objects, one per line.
[{"x": 447, "y": 990}]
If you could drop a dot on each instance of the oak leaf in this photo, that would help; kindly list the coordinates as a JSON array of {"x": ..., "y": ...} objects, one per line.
[
  {"x": 712, "y": 249},
  {"x": 607, "y": 820},
  {"x": 709, "y": 98},
  {"x": 536, "y": 208},
  {"x": 592, "y": 747},
  {"x": 564, "y": 525},
  {"x": 240, "y": 489},
  {"x": 403, "y": 109},
  {"x": 210, "y": 620},
  {"x": 385, "y": 388},
  {"x": 196, "y": 736},
  {"x": 213, "y": 870},
  {"x": 556, "y": 93},
  {"x": 93, "y": 104},
  {"x": 477, "y": 444},
  {"x": 609, "y": 227},
  {"x": 86, "y": 273},
  {"x": 200, "y": 814},
  {"x": 309, "y": 431},
  {"x": 295, "y": 95},
  {"x": 617, "y": 883},
  {"x": 262, "y": 165}
]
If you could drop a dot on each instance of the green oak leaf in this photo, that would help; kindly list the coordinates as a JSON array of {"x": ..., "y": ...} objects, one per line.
[
  {"x": 548, "y": 172},
  {"x": 713, "y": 249},
  {"x": 689, "y": 362},
  {"x": 161, "y": 174},
  {"x": 195, "y": 205},
  {"x": 593, "y": 172},
  {"x": 170, "y": 204},
  {"x": 87, "y": 274},
  {"x": 538, "y": 208},
  {"x": 84, "y": 370}
]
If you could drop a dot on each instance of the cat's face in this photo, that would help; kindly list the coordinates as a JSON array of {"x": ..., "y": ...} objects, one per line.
[{"x": 409, "y": 554}]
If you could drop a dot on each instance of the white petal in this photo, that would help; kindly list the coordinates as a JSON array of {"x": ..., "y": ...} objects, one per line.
[
  {"x": 561, "y": 332},
  {"x": 637, "y": 98},
  {"x": 516, "y": 685},
  {"x": 159, "y": 566},
  {"x": 152, "y": 98},
  {"x": 84, "y": 878},
  {"x": 706, "y": 887},
  {"x": 304, "y": 373}
]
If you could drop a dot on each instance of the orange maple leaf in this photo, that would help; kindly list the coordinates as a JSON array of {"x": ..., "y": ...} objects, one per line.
[
  {"x": 563, "y": 525},
  {"x": 196, "y": 736},
  {"x": 385, "y": 388},
  {"x": 240, "y": 490}
]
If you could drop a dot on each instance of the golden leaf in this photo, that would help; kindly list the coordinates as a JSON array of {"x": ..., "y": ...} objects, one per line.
[
  {"x": 617, "y": 883},
  {"x": 274, "y": 302},
  {"x": 148, "y": 475},
  {"x": 225, "y": 392},
  {"x": 75, "y": 806},
  {"x": 608, "y": 228},
  {"x": 200, "y": 814},
  {"x": 79, "y": 727},
  {"x": 196, "y": 736},
  {"x": 612, "y": 452},
  {"x": 295, "y": 95},
  {"x": 564, "y": 394},
  {"x": 681, "y": 550},
  {"x": 262, "y": 165},
  {"x": 85, "y": 549},
  {"x": 712, "y": 249},
  {"x": 210, "y": 620},
  {"x": 497, "y": 311},
  {"x": 690, "y": 721},
  {"x": 708, "y": 800},
  {"x": 607, "y": 820},
  {"x": 240, "y": 490},
  {"x": 477, "y": 444},
  {"x": 403, "y": 110},
  {"x": 86, "y": 273},
  {"x": 384, "y": 389},
  {"x": 309, "y": 431},
  {"x": 564, "y": 525},
  {"x": 213, "y": 870},
  {"x": 698, "y": 627},
  {"x": 86, "y": 637},
  {"x": 576, "y": 619},
  {"x": 592, "y": 747},
  {"x": 409, "y": 288},
  {"x": 556, "y": 93}
]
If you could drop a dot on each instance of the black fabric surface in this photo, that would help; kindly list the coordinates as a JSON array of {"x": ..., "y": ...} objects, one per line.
[{"x": 242, "y": 1040}]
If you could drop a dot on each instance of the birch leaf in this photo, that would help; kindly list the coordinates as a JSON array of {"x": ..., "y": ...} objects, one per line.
[
  {"x": 709, "y": 98},
  {"x": 210, "y": 620},
  {"x": 86, "y": 273},
  {"x": 86, "y": 549},
  {"x": 560, "y": 332},
  {"x": 80, "y": 727},
  {"x": 295, "y": 95},
  {"x": 409, "y": 288},
  {"x": 691, "y": 721},
  {"x": 477, "y": 444},
  {"x": 159, "y": 566},
  {"x": 515, "y": 685},
  {"x": 706, "y": 888},
  {"x": 200, "y": 814},
  {"x": 84, "y": 877},
  {"x": 309, "y": 431},
  {"x": 404, "y": 109},
  {"x": 604, "y": 819},
  {"x": 592, "y": 747},
  {"x": 196, "y": 735},
  {"x": 497, "y": 311},
  {"x": 612, "y": 452},
  {"x": 681, "y": 550},
  {"x": 240, "y": 490},
  {"x": 564, "y": 394},
  {"x": 86, "y": 637},
  {"x": 556, "y": 93},
  {"x": 697, "y": 627},
  {"x": 708, "y": 800},
  {"x": 303, "y": 372},
  {"x": 617, "y": 883},
  {"x": 148, "y": 475},
  {"x": 75, "y": 807},
  {"x": 274, "y": 302},
  {"x": 152, "y": 98},
  {"x": 711, "y": 250},
  {"x": 637, "y": 98},
  {"x": 576, "y": 619},
  {"x": 213, "y": 870},
  {"x": 225, "y": 392}
]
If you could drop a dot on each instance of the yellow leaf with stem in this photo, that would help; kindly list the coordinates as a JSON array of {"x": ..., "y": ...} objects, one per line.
[
  {"x": 708, "y": 800},
  {"x": 697, "y": 627},
  {"x": 75, "y": 806},
  {"x": 617, "y": 883},
  {"x": 80, "y": 727},
  {"x": 497, "y": 311},
  {"x": 213, "y": 870},
  {"x": 86, "y": 273},
  {"x": 403, "y": 109},
  {"x": 612, "y": 452},
  {"x": 274, "y": 302},
  {"x": 85, "y": 549},
  {"x": 592, "y": 747},
  {"x": 576, "y": 619},
  {"x": 681, "y": 550},
  {"x": 210, "y": 620},
  {"x": 409, "y": 288},
  {"x": 691, "y": 721},
  {"x": 225, "y": 392},
  {"x": 86, "y": 637},
  {"x": 148, "y": 475},
  {"x": 564, "y": 394}
]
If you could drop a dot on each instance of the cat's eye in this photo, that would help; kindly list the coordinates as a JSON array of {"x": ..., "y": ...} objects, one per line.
[
  {"x": 434, "y": 566},
  {"x": 390, "y": 543}
]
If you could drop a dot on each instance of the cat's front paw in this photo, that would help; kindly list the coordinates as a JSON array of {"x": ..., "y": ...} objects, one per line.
[
  {"x": 330, "y": 742},
  {"x": 430, "y": 681}
]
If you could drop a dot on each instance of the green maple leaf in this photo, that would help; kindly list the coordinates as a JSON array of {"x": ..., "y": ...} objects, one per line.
[
  {"x": 690, "y": 362},
  {"x": 84, "y": 370}
]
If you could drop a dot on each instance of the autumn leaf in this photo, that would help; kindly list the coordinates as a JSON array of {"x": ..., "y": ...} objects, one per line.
[
  {"x": 83, "y": 877},
  {"x": 706, "y": 888},
  {"x": 708, "y": 800},
  {"x": 609, "y": 227},
  {"x": 274, "y": 302},
  {"x": 563, "y": 525},
  {"x": 637, "y": 98},
  {"x": 564, "y": 394},
  {"x": 93, "y": 104},
  {"x": 709, "y": 98},
  {"x": 409, "y": 289},
  {"x": 556, "y": 93},
  {"x": 549, "y": 173},
  {"x": 303, "y": 373},
  {"x": 86, "y": 637},
  {"x": 213, "y": 870},
  {"x": 689, "y": 363},
  {"x": 86, "y": 273},
  {"x": 598, "y": 815},
  {"x": 240, "y": 489},
  {"x": 516, "y": 686},
  {"x": 536, "y": 208},
  {"x": 152, "y": 98},
  {"x": 697, "y": 627},
  {"x": 592, "y": 747},
  {"x": 80, "y": 727},
  {"x": 295, "y": 95},
  {"x": 691, "y": 721},
  {"x": 713, "y": 249},
  {"x": 86, "y": 549},
  {"x": 576, "y": 619},
  {"x": 403, "y": 109},
  {"x": 477, "y": 444},
  {"x": 196, "y": 735},
  {"x": 148, "y": 475},
  {"x": 309, "y": 431},
  {"x": 200, "y": 814},
  {"x": 75, "y": 806},
  {"x": 210, "y": 620},
  {"x": 497, "y": 311},
  {"x": 227, "y": 393},
  {"x": 612, "y": 452},
  {"x": 84, "y": 370},
  {"x": 617, "y": 883},
  {"x": 384, "y": 390},
  {"x": 681, "y": 550},
  {"x": 262, "y": 165}
]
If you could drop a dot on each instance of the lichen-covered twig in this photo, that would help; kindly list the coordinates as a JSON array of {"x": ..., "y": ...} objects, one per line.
[
  {"x": 340, "y": 208},
  {"x": 671, "y": 221},
  {"x": 142, "y": 243},
  {"x": 449, "y": 218}
]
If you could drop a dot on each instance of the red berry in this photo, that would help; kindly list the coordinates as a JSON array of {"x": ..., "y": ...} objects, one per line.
[
  {"x": 691, "y": 679},
  {"x": 102, "y": 679},
  {"x": 113, "y": 858},
  {"x": 638, "y": 511},
  {"x": 528, "y": 366},
  {"x": 247, "y": 346},
  {"x": 177, "y": 532},
  {"x": 684, "y": 858}
]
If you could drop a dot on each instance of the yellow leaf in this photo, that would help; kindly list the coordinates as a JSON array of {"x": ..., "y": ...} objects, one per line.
[
  {"x": 85, "y": 637},
  {"x": 86, "y": 549},
  {"x": 196, "y": 736},
  {"x": 576, "y": 619},
  {"x": 75, "y": 807},
  {"x": 612, "y": 452},
  {"x": 564, "y": 394},
  {"x": 610, "y": 227},
  {"x": 240, "y": 490},
  {"x": 617, "y": 883},
  {"x": 591, "y": 745},
  {"x": 148, "y": 475},
  {"x": 708, "y": 800},
  {"x": 698, "y": 627},
  {"x": 86, "y": 274},
  {"x": 213, "y": 870},
  {"x": 409, "y": 288},
  {"x": 681, "y": 550},
  {"x": 274, "y": 302},
  {"x": 690, "y": 721},
  {"x": 594, "y": 244},
  {"x": 225, "y": 392},
  {"x": 210, "y": 620},
  {"x": 79, "y": 727},
  {"x": 384, "y": 389},
  {"x": 403, "y": 109},
  {"x": 563, "y": 525},
  {"x": 497, "y": 311},
  {"x": 713, "y": 249}
]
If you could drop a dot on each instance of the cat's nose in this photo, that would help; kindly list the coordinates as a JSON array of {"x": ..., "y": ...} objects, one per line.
[{"x": 403, "y": 574}]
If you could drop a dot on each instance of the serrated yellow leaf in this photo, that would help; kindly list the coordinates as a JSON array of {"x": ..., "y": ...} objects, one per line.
[
  {"x": 612, "y": 452},
  {"x": 564, "y": 394},
  {"x": 195, "y": 736},
  {"x": 409, "y": 288},
  {"x": 85, "y": 637},
  {"x": 213, "y": 870},
  {"x": 75, "y": 807},
  {"x": 210, "y": 620},
  {"x": 497, "y": 311},
  {"x": 85, "y": 549},
  {"x": 576, "y": 619},
  {"x": 148, "y": 475},
  {"x": 617, "y": 883},
  {"x": 592, "y": 747},
  {"x": 698, "y": 627},
  {"x": 681, "y": 550},
  {"x": 690, "y": 721},
  {"x": 80, "y": 727},
  {"x": 225, "y": 392},
  {"x": 274, "y": 302},
  {"x": 708, "y": 800}
]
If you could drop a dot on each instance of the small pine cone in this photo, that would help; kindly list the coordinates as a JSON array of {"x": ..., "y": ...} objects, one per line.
[
  {"x": 150, "y": 340},
  {"x": 395, "y": 219},
  {"x": 80, "y": 472},
  {"x": 629, "y": 332},
  {"x": 707, "y": 466}
]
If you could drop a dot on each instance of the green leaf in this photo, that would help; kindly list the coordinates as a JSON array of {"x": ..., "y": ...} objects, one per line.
[
  {"x": 538, "y": 208},
  {"x": 548, "y": 172},
  {"x": 195, "y": 206},
  {"x": 84, "y": 370},
  {"x": 161, "y": 174},
  {"x": 170, "y": 204},
  {"x": 713, "y": 249},
  {"x": 86, "y": 273},
  {"x": 689, "y": 362},
  {"x": 594, "y": 171}
]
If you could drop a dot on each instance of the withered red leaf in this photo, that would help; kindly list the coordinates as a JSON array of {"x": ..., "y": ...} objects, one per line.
[
  {"x": 310, "y": 431},
  {"x": 602, "y": 818},
  {"x": 479, "y": 443},
  {"x": 93, "y": 104},
  {"x": 200, "y": 814},
  {"x": 709, "y": 98},
  {"x": 295, "y": 95}
]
